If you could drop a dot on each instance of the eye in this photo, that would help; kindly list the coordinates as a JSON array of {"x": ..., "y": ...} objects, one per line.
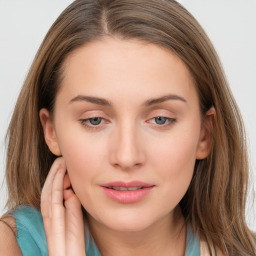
[
  {"x": 160, "y": 120},
  {"x": 163, "y": 121},
  {"x": 95, "y": 120},
  {"x": 92, "y": 123}
]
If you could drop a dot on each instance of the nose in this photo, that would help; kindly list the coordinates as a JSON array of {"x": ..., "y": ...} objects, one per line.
[{"x": 127, "y": 150}]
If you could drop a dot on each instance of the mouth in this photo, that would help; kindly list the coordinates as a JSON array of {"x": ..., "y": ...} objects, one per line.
[
  {"x": 127, "y": 192},
  {"x": 125, "y": 188}
]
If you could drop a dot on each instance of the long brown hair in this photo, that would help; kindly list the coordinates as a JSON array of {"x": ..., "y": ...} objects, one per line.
[{"x": 214, "y": 204}]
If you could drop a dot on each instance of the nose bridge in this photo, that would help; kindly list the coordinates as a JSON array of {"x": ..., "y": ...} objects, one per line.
[{"x": 127, "y": 150}]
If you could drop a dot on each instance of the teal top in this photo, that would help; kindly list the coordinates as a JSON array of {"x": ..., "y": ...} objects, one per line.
[{"x": 32, "y": 240}]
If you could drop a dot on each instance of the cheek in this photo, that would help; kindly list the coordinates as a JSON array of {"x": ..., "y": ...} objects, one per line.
[
  {"x": 174, "y": 161},
  {"x": 175, "y": 154},
  {"x": 84, "y": 157}
]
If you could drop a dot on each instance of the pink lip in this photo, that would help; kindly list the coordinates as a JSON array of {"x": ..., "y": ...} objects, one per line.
[
  {"x": 127, "y": 184},
  {"x": 126, "y": 197}
]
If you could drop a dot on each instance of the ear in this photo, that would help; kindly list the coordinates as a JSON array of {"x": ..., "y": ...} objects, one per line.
[
  {"x": 206, "y": 135},
  {"x": 49, "y": 132}
]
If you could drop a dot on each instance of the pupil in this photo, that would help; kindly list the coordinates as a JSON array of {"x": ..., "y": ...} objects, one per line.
[
  {"x": 160, "y": 120},
  {"x": 95, "y": 120}
]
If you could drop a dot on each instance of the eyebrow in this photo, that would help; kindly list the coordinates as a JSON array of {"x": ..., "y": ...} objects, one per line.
[{"x": 147, "y": 103}]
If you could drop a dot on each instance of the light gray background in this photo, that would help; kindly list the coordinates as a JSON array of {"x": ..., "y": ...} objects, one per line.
[{"x": 230, "y": 24}]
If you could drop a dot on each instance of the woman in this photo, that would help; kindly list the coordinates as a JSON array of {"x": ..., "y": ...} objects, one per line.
[{"x": 130, "y": 97}]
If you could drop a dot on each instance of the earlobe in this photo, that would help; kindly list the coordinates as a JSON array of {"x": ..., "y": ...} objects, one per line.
[
  {"x": 206, "y": 136},
  {"x": 49, "y": 132}
]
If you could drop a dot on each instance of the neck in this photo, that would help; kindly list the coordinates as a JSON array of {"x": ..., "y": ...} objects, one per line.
[{"x": 165, "y": 237}]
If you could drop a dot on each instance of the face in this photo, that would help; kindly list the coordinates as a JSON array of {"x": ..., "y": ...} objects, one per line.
[{"x": 127, "y": 117}]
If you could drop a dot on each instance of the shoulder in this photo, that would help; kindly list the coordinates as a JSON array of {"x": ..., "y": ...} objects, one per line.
[
  {"x": 8, "y": 233},
  {"x": 28, "y": 230},
  {"x": 27, "y": 217}
]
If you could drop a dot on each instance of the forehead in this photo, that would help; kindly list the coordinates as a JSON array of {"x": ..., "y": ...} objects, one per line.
[{"x": 127, "y": 68}]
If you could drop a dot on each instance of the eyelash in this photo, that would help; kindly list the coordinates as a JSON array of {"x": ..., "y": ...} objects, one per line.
[{"x": 84, "y": 122}]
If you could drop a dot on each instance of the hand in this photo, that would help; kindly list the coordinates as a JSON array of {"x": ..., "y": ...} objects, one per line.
[{"x": 63, "y": 223}]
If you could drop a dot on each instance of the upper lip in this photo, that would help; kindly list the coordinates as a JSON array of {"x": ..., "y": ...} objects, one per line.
[{"x": 127, "y": 184}]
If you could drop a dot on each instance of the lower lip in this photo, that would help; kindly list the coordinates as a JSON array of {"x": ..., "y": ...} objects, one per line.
[{"x": 127, "y": 197}]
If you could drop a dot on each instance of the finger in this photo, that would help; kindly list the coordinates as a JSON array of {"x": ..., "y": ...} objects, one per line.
[
  {"x": 68, "y": 190},
  {"x": 46, "y": 197},
  {"x": 67, "y": 182},
  {"x": 68, "y": 193},
  {"x": 75, "y": 239},
  {"x": 74, "y": 221},
  {"x": 47, "y": 188},
  {"x": 57, "y": 189},
  {"x": 58, "y": 210},
  {"x": 55, "y": 236}
]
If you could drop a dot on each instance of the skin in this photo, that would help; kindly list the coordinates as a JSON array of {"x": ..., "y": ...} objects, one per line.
[{"x": 128, "y": 144}]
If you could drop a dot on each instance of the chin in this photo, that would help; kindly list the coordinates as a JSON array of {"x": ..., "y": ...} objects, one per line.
[
  {"x": 125, "y": 221},
  {"x": 129, "y": 225}
]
